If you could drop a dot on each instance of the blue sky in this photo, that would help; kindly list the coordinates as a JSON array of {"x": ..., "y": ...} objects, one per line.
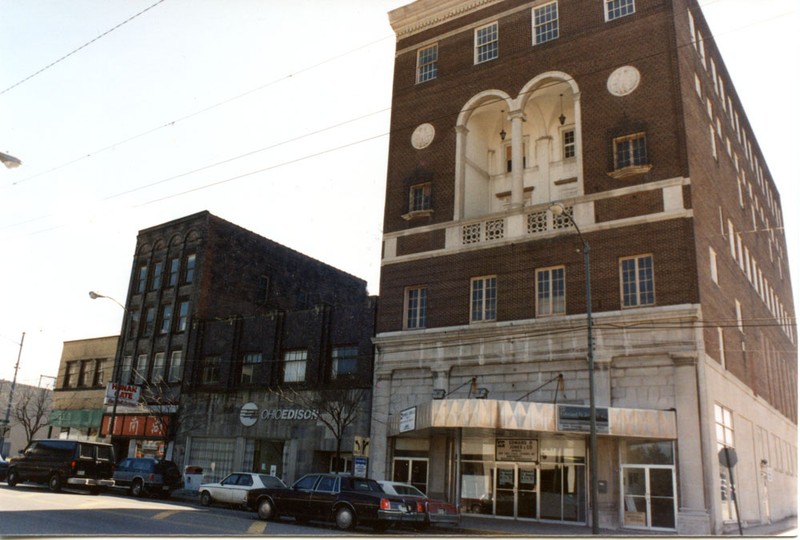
[{"x": 230, "y": 106}]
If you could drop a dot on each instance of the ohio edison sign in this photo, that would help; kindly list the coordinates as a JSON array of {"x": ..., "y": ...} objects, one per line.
[{"x": 249, "y": 414}]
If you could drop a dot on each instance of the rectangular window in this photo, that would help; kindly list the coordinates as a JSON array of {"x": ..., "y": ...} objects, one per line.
[
  {"x": 630, "y": 151},
  {"x": 427, "y": 63},
  {"x": 125, "y": 370},
  {"x": 141, "y": 284},
  {"x": 723, "y": 419},
  {"x": 618, "y": 8},
  {"x": 71, "y": 375},
  {"x": 294, "y": 366},
  {"x": 166, "y": 319},
  {"x": 210, "y": 370},
  {"x": 149, "y": 321},
  {"x": 712, "y": 255},
  {"x": 486, "y": 43},
  {"x": 545, "y": 23},
  {"x": 638, "y": 287},
  {"x": 176, "y": 367},
  {"x": 344, "y": 362},
  {"x": 140, "y": 373},
  {"x": 550, "y": 292},
  {"x": 262, "y": 291},
  {"x": 190, "y": 262},
  {"x": 568, "y": 142},
  {"x": 721, "y": 341},
  {"x": 86, "y": 375},
  {"x": 158, "y": 270},
  {"x": 739, "y": 322},
  {"x": 416, "y": 307},
  {"x": 419, "y": 198},
  {"x": 713, "y": 137},
  {"x": 183, "y": 316},
  {"x": 250, "y": 363},
  {"x": 100, "y": 372},
  {"x": 159, "y": 365},
  {"x": 483, "y": 299},
  {"x": 174, "y": 271}
]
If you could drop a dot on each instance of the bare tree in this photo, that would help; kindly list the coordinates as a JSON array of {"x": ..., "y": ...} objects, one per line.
[
  {"x": 160, "y": 398},
  {"x": 32, "y": 410},
  {"x": 337, "y": 408}
]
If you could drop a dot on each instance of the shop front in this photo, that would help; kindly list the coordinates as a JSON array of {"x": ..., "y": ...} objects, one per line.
[
  {"x": 529, "y": 461},
  {"x": 139, "y": 435}
]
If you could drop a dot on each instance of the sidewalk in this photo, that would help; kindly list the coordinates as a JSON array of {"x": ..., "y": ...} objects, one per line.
[{"x": 487, "y": 526}]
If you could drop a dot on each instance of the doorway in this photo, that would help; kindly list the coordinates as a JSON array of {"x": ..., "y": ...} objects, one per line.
[
  {"x": 648, "y": 497},
  {"x": 412, "y": 471}
]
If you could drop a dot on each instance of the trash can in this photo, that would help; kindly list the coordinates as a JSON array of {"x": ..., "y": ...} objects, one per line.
[{"x": 192, "y": 477}]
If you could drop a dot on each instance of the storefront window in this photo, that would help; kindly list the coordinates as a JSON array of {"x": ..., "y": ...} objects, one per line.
[
  {"x": 476, "y": 488},
  {"x": 648, "y": 452}
]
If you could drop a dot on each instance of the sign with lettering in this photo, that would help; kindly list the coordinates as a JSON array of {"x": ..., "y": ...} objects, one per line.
[
  {"x": 289, "y": 414},
  {"x": 578, "y": 418},
  {"x": 408, "y": 420},
  {"x": 122, "y": 394},
  {"x": 516, "y": 450}
]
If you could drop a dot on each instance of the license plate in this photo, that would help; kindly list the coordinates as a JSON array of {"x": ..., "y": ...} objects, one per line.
[
  {"x": 441, "y": 511},
  {"x": 81, "y": 473}
]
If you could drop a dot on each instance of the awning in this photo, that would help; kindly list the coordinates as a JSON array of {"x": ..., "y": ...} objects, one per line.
[
  {"x": 527, "y": 416},
  {"x": 84, "y": 418}
]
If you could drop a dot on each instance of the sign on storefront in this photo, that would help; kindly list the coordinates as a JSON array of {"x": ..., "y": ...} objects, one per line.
[
  {"x": 360, "y": 467},
  {"x": 122, "y": 394},
  {"x": 408, "y": 420},
  {"x": 577, "y": 418},
  {"x": 516, "y": 450}
]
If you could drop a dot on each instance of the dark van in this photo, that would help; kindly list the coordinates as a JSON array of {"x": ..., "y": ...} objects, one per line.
[
  {"x": 57, "y": 463},
  {"x": 148, "y": 476}
]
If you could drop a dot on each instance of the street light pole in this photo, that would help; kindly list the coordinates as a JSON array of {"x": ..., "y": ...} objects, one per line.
[
  {"x": 7, "y": 420},
  {"x": 558, "y": 210},
  {"x": 112, "y": 421}
]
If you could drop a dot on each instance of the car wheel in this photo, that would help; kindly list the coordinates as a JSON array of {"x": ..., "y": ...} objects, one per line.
[
  {"x": 205, "y": 498},
  {"x": 345, "y": 518},
  {"x": 137, "y": 488},
  {"x": 55, "y": 483},
  {"x": 266, "y": 510},
  {"x": 13, "y": 478}
]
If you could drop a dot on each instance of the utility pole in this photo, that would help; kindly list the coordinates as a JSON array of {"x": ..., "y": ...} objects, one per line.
[{"x": 11, "y": 396}]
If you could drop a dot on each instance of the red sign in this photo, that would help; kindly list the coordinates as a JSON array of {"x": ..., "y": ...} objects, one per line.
[{"x": 137, "y": 425}]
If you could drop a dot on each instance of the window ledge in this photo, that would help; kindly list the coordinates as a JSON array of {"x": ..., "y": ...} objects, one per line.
[
  {"x": 628, "y": 172},
  {"x": 417, "y": 214}
]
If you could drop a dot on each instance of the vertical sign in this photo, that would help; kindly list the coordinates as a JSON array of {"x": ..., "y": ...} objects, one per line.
[{"x": 408, "y": 420}]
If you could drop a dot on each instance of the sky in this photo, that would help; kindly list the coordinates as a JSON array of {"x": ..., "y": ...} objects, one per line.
[{"x": 271, "y": 114}]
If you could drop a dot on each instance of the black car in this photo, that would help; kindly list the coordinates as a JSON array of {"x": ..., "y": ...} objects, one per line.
[
  {"x": 3, "y": 468},
  {"x": 58, "y": 462},
  {"x": 148, "y": 476},
  {"x": 345, "y": 500}
]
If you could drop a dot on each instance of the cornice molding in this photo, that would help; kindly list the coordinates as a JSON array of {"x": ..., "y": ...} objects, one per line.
[{"x": 424, "y": 14}]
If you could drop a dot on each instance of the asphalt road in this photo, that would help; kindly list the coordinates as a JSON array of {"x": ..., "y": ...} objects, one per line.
[{"x": 31, "y": 510}]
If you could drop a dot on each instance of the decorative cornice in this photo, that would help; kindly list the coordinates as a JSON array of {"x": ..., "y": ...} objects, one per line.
[{"x": 424, "y": 14}]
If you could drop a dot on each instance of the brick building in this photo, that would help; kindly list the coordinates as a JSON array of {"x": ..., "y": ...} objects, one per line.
[
  {"x": 219, "y": 320},
  {"x": 514, "y": 123}
]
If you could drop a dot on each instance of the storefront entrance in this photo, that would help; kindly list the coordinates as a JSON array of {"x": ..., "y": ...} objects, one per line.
[
  {"x": 648, "y": 496},
  {"x": 515, "y": 486}
]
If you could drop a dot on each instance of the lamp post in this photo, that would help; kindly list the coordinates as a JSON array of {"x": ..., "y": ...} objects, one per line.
[
  {"x": 111, "y": 424},
  {"x": 558, "y": 210},
  {"x": 7, "y": 419}
]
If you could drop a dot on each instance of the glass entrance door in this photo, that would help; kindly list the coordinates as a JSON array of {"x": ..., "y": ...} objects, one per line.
[
  {"x": 526, "y": 491},
  {"x": 563, "y": 492},
  {"x": 505, "y": 489},
  {"x": 648, "y": 497}
]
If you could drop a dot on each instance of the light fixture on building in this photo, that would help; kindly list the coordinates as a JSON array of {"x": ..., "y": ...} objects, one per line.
[
  {"x": 10, "y": 161},
  {"x": 481, "y": 393},
  {"x": 562, "y": 118},
  {"x": 439, "y": 393},
  {"x": 502, "y": 130}
]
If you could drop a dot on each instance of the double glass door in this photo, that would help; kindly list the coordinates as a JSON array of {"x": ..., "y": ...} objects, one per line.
[
  {"x": 551, "y": 491},
  {"x": 648, "y": 496}
]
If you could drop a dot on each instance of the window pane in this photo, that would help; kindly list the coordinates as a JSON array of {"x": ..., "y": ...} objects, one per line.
[
  {"x": 486, "y": 43},
  {"x": 545, "y": 22},
  {"x": 294, "y": 369}
]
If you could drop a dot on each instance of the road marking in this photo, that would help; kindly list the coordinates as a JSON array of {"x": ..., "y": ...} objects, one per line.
[
  {"x": 165, "y": 515},
  {"x": 257, "y": 528}
]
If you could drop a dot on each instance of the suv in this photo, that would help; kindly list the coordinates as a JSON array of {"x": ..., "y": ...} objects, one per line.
[
  {"x": 144, "y": 476},
  {"x": 56, "y": 462}
]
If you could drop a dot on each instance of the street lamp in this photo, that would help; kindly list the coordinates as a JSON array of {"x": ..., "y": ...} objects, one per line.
[
  {"x": 10, "y": 161},
  {"x": 557, "y": 210},
  {"x": 111, "y": 424}
]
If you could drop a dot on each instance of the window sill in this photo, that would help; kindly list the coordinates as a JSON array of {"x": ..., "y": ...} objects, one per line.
[
  {"x": 417, "y": 214},
  {"x": 628, "y": 172}
]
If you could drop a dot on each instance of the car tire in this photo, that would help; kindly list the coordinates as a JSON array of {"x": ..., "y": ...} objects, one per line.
[
  {"x": 137, "y": 488},
  {"x": 266, "y": 510},
  {"x": 55, "y": 482},
  {"x": 345, "y": 518},
  {"x": 13, "y": 478},
  {"x": 205, "y": 498}
]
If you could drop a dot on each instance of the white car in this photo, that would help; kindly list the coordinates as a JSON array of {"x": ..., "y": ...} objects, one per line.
[{"x": 234, "y": 487}]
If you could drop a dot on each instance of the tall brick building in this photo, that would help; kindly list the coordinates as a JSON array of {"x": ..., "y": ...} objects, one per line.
[
  {"x": 218, "y": 320},
  {"x": 507, "y": 115}
]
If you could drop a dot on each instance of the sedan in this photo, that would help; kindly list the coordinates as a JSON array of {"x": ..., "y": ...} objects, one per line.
[
  {"x": 345, "y": 500},
  {"x": 233, "y": 489},
  {"x": 436, "y": 512},
  {"x": 3, "y": 468}
]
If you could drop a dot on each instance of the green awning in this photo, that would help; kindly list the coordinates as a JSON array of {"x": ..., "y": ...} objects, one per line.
[{"x": 76, "y": 418}]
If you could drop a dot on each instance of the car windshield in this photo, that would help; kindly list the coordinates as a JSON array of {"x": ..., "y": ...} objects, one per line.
[{"x": 403, "y": 489}]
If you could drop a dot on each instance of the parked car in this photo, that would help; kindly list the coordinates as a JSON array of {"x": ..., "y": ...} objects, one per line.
[
  {"x": 3, "y": 468},
  {"x": 57, "y": 462},
  {"x": 437, "y": 512},
  {"x": 233, "y": 489},
  {"x": 345, "y": 500},
  {"x": 148, "y": 476}
]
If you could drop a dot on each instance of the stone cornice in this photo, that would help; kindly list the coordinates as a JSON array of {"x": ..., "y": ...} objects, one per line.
[{"x": 424, "y": 14}]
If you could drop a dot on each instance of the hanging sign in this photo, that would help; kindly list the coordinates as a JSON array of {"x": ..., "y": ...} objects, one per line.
[{"x": 408, "y": 420}]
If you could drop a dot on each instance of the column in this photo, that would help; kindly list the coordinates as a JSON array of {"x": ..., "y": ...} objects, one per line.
[{"x": 517, "y": 159}]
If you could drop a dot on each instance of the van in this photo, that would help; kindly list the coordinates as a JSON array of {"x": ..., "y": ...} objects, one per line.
[
  {"x": 148, "y": 476},
  {"x": 57, "y": 463}
]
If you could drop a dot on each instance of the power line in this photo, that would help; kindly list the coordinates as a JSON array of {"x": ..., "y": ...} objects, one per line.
[{"x": 51, "y": 64}]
